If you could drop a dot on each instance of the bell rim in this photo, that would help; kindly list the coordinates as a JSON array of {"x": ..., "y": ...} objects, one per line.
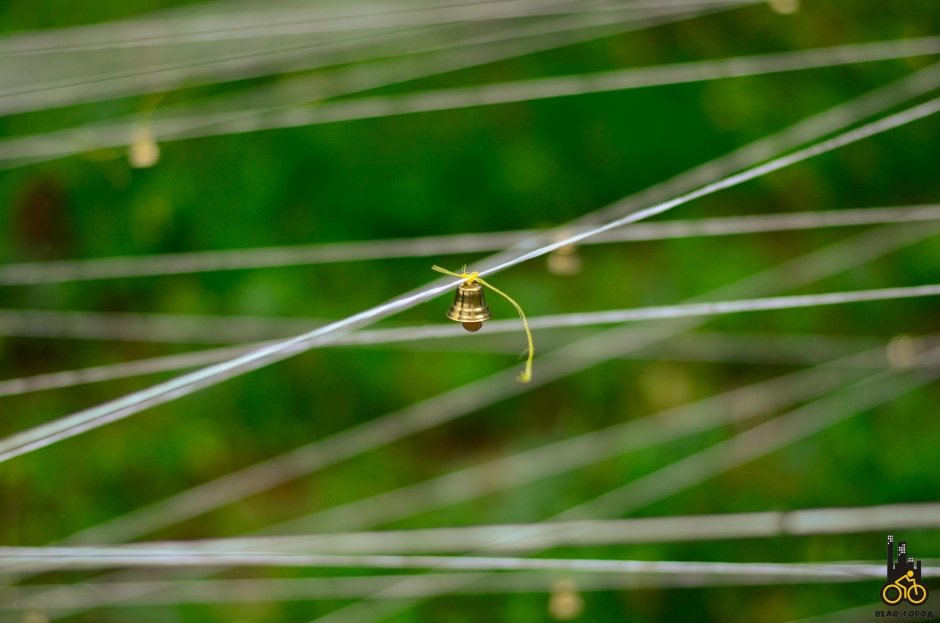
[{"x": 477, "y": 317}]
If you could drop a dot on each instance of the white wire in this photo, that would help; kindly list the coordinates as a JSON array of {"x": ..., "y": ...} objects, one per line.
[
  {"x": 62, "y": 558},
  {"x": 759, "y": 441},
  {"x": 736, "y": 406},
  {"x": 87, "y": 595},
  {"x": 244, "y": 25},
  {"x": 805, "y": 131},
  {"x": 696, "y": 468},
  {"x": 817, "y": 265},
  {"x": 542, "y": 88},
  {"x": 277, "y": 24},
  {"x": 846, "y": 138},
  {"x": 280, "y": 22},
  {"x": 475, "y": 481},
  {"x": 723, "y": 347},
  {"x": 492, "y": 47},
  {"x": 845, "y": 615},
  {"x": 64, "y": 271},
  {"x": 267, "y": 60},
  {"x": 83, "y": 421},
  {"x": 545, "y": 535},
  {"x": 458, "y": 402},
  {"x": 795, "y": 273},
  {"x": 35, "y": 323},
  {"x": 803, "y": 270},
  {"x": 67, "y": 142},
  {"x": 813, "y": 266}
]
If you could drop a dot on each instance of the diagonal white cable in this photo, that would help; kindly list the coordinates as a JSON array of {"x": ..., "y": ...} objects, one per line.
[
  {"x": 90, "y": 419},
  {"x": 63, "y": 271}
]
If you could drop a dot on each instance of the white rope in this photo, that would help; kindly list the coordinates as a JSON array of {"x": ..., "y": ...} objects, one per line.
[
  {"x": 65, "y": 271},
  {"x": 274, "y": 21},
  {"x": 88, "y": 595},
  {"x": 386, "y": 507},
  {"x": 89, "y": 419},
  {"x": 542, "y": 88},
  {"x": 759, "y": 441},
  {"x": 754, "y": 443},
  {"x": 736, "y": 406},
  {"x": 846, "y": 138},
  {"x": 813, "y": 266},
  {"x": 74, "y": 87},
  {"x": 66, "y": 142},
  {"x": 455, "y": 403},
  {"x": 845, "y": 615},
  {"x": 715, "y": 347},
  {"x": 62, "y": 558},
  {"x": 829, "y": 261},
  {"x": 592, "y": 532},
  {"x": 545, "y": 535},
  {"x": 10, "y": 446},
  {"x": 805, "y": 131},
  {"x": 134, "y": 327}
]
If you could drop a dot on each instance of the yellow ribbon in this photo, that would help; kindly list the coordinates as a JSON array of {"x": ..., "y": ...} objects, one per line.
[{"x": 526, "y": 375}]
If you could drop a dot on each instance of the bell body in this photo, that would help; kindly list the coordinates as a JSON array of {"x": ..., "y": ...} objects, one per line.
[{"x": 469, "y": 308}]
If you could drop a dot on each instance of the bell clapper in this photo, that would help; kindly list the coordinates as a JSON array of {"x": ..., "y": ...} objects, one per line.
[{"x": 471, "y": 311}]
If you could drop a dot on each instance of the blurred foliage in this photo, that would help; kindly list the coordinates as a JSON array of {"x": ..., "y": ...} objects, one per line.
[{"x": 484, "y": 169}]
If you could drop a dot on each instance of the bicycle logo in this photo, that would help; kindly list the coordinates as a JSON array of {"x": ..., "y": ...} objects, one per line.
[
  {"x": 915, "y": 593},
  {"x": 903, "y": 578}
]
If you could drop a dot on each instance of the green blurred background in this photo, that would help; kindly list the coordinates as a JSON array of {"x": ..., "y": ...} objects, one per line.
[{"x": 526, "y": 165}]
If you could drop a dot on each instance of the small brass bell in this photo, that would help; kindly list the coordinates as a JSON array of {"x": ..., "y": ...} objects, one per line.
[{"x": 469, "y": 307}]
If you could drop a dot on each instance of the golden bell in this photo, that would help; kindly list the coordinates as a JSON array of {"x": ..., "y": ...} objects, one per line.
[{"x": 469, "y": 307}]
